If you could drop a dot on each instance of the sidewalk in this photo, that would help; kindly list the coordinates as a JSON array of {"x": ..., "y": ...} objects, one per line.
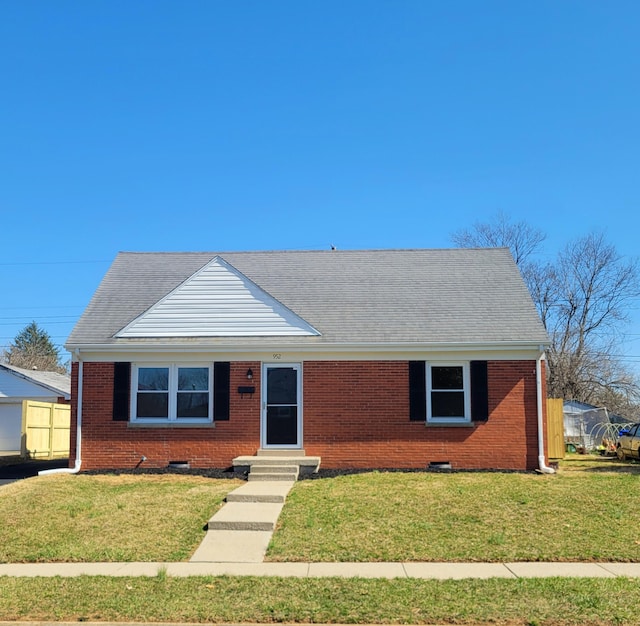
[{"x": 438, "y": 571}]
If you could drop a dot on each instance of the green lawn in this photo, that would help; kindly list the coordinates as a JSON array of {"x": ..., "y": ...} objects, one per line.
[
  {"x": 589, "y": 511},
  {"x": 107, "y": 518},
  {"x": 498, "y": 602}
]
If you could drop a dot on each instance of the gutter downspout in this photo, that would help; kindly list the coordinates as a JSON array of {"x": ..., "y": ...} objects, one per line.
[
  {"x": 541, "y": 458},
  {"x": 76, "y": 467}
]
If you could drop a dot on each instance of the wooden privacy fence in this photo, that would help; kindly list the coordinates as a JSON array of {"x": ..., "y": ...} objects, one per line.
[
  {"x": 555, "y": 428},
  {"x": 45, "y": 430}
]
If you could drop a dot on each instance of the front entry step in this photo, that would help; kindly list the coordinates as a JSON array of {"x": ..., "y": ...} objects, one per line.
[
  {"x": 281, "y": 452},
  {"x": 274, "y": 472},
  {"x": 274, "y": 466}
]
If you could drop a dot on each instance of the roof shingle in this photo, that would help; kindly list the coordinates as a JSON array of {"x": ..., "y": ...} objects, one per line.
[{"x": 372, "y": 296}]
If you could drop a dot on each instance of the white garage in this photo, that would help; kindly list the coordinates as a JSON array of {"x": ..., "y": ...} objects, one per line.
[{"x": 16, "y": 385}]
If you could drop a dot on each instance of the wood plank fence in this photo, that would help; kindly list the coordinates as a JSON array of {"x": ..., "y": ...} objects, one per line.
[
  {"x": 46, "y": 429},
  {"x": 555, "y": 428}
]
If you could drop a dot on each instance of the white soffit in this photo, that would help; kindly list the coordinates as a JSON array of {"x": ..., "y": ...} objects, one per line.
[{"x": 218, "y": 301}]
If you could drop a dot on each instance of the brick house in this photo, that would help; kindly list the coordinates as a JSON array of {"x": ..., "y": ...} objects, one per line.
[{"x": 366, "y": 359}]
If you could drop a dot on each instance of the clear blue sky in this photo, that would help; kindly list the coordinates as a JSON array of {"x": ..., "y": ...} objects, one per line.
[{"x": 268, "y": 124}]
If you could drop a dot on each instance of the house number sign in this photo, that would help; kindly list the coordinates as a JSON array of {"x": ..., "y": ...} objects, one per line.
[{"x": 277, "y": 356}]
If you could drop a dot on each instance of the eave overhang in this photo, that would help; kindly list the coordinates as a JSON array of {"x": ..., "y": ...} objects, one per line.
[{"x": 272, "y": 346}]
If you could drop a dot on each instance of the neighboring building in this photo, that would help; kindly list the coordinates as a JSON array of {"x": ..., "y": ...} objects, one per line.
[
  {"x": 18, "y": 384},
  {"x": 585, "y": 425},
  {"x": 367, "y": 359}
]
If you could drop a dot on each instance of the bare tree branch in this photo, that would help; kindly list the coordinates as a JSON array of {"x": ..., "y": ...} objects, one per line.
[
  {"x": 522, "y": 239},
  {"x": 582, "y": 299}
]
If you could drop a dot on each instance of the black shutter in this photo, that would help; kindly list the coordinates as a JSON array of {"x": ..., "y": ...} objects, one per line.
[
  {"x": 221, "y": 390},
  {"x": 121, "y": 391},
  {"x": 479, "y": 391},
  {"x": 417, "y": 391}
]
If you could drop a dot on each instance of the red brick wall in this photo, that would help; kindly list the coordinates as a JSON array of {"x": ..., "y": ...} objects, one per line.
[
  {"x": 109, "y": 444},
  {"x": 356, "y": 415}
]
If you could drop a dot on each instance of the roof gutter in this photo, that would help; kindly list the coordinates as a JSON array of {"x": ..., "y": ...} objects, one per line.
[
  {"x": 78, "y": 462},
  {"x": 540, "y": 406},
  {"x": 204, "y": 346}
]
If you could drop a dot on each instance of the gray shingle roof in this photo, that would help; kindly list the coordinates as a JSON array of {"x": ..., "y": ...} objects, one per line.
[
  {"x": 373, "y": 296},
  {"x": 54, "y": 381}
]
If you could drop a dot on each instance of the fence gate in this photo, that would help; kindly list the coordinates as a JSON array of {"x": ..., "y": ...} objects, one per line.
[
  {"x": 46, "y": 428},
  {"x": 555, "y": 428}
]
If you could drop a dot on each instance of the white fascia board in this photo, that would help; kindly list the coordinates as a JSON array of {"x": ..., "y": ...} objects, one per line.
[
  {"x": 20, "y": 399},
  {"x": 291, "y": 352}
]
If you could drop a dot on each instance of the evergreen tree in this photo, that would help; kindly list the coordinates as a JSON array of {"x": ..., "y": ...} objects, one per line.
[{"x": 32, "y": 348}]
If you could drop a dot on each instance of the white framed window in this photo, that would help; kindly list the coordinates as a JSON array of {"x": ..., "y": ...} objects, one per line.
[
  {"x": 172, "y": 392},
  {"x": 448, "y": 392}
]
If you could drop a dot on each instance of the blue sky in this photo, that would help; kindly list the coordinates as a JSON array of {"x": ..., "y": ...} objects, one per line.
[{"x": 272, "y": 124}]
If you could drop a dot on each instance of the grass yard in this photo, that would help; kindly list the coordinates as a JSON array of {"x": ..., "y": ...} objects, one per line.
[
  {"x": 589, "y": 511},
  {"x": 500, "y": 602},
  {"x": 107, "y": 518}
]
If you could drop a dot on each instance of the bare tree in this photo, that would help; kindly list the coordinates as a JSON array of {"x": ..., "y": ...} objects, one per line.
[
  {"x": 582, "y": 299},
  {"x": 521, "y": 238},
  {"x": 583, "y": 305}
]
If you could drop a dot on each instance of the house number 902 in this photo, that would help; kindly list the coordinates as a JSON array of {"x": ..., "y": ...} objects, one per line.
[{"x": 277, "y": 356}]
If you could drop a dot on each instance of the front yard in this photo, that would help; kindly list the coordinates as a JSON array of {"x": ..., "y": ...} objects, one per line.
[
  {"x": 107, "y": 518},
  {"x": 590, "y": 510},
  {"x": 587, "y": 512}
]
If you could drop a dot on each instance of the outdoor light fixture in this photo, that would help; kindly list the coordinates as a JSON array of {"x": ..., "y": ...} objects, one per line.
[{"x": 249, "y": 374}]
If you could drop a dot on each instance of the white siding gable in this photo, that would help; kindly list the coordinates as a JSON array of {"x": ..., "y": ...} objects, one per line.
[{"x": 218, "y": 301}]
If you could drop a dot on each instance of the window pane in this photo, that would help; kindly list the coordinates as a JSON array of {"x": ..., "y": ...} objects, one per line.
[
  {"x": 282, "y": 385},
  {"x": 193, "y": 379},
  {"x": 153, "y": 378},
  {"x": 193, "y": 405},
  {"x": 153, "y": 405},
  {"x": 447, "y": 404},
  {"x": 446, "y": 377},
  {"x": 282, "y": 425}
]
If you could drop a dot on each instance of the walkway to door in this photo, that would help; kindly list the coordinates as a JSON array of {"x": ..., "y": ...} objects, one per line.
[{"x": 241, "y": 530}]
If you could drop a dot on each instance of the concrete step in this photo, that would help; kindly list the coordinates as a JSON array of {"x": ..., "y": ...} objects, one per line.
[
  {"x": 295, "y": 452},
  {"x": 274, "y": 469},
  {"x": 253, "y": 477},
  {"x": 246, "y": 516},
  {"x": 261, "y": 491},
  {"x": 307, "y": 464}
]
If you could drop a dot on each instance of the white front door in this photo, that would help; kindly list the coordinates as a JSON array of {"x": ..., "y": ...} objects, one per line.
[{"x": 281, "y": 406}]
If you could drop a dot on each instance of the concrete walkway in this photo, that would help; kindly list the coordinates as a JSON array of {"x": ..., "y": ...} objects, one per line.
[
  {"x": 437, "y": 571},
  {"x": 241, "y": 530}
]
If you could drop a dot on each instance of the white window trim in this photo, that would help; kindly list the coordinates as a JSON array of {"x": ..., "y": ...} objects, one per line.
[
  {"x": 466, "y": 383},
  {"x": 173, "y": 395}
]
